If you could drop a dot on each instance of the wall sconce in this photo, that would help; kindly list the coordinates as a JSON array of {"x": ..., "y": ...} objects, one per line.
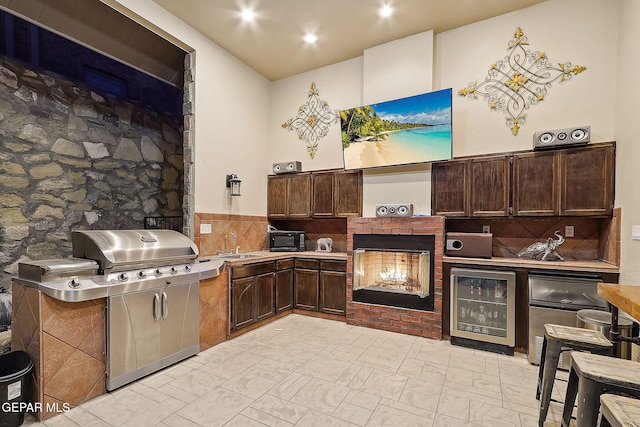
[{"x": 233, "y": 183}]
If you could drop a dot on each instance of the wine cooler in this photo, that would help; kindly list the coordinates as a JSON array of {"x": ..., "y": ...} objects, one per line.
[{"x": 483, "y": 308}]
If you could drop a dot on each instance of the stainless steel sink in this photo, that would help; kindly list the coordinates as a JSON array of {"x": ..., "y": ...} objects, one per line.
[{"x": 238, "y": 256}]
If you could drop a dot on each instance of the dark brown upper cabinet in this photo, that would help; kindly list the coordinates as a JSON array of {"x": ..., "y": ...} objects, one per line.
[
  {"x": 449, "y": 196},
  {"x": 489, "y": 186},
  {"x": 325, "y": 194},
  {"x": 587, "y": 181},
  {"x": 561, "y": 182},
  {"x": 535, "y": 183},
  {"x": 336, "y": 194},
  {"x": 568, "y": 182},
  {"x": 289, "y": 196},
  {"x": 277, "y": 186},
  {"x": 299, "y": 195},
  {"x": 322, "y": 194},
  {"x": 477, "y": 187}
]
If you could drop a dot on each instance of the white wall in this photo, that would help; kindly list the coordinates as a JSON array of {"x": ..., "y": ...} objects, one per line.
[
  {"x": 406, "y": 67},
  {"x": 340, "y": 85},
  {"x": 239, "y": 113},
  {"x": 627, "y": 128},
  {"x": 231, "y": 119},
  {"x": 578, "y": 31},
  {"x": 461, "y": 56}
]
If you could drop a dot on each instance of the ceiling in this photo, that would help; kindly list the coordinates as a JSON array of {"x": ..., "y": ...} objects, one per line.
[
  {"x": 96, "y": 25},
  {"x": 273, "y": 44}
]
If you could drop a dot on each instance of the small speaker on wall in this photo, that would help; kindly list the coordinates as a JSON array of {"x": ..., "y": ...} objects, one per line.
[
  {"x": 399, "y": 210},
  {"x": 287, "y": 167},
  {"x": 558, "y": 138}
]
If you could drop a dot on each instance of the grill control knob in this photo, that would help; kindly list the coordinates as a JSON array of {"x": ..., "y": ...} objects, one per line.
[
  {"x": 174, "y": 270},
  {"x": 123, "y": 276},
  {"x": 158, "y": 272},
  {"x": 187, "y": 268},
  {"x": 142, "y": 275},
  {"x": 74, "y": 283}
]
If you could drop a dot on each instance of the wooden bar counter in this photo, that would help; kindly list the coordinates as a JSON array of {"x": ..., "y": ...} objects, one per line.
[{"x": 624, "y": 297}]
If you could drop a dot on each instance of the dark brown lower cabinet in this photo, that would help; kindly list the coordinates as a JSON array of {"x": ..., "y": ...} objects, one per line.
[
  {"x": 242, "y": 302},
  {"x": 265, "y": 296},
  {"x": 320, "y": 285},
  {"x": 333, "y": 287},
  {"x": 260, "y": 290},
  {"x": 284, "y": 285},
  {"x": 252, "y": 293},
  {"x": 306, "y": 289}
]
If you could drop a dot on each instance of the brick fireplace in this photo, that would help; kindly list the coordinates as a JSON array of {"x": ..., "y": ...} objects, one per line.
[{"x": 420, "y": 322}]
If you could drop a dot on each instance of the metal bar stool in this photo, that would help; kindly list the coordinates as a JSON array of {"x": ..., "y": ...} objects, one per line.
[
  {"x": 557, "y": 338},
  {"x": 592, "y": 375},
  {"x": 618, "y": 411}
]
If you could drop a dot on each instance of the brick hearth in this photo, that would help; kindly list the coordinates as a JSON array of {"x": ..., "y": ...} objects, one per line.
[{"x": 407, "y": 321}]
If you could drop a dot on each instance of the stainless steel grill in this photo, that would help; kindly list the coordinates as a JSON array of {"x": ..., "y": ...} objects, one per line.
[{"x": 151, "y": 281}]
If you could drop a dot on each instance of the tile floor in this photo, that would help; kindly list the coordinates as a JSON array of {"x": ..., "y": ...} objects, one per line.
[{"x": 306, "y": 371}]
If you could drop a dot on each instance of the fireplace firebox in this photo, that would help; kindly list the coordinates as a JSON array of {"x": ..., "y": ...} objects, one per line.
[{"x": 394, "y": 270}]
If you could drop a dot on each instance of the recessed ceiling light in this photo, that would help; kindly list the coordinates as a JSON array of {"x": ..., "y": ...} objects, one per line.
[
  {"x": 385, "y": 11},
  {"x": 310, "y": 38},
  {"x": 248, "y": 15}
]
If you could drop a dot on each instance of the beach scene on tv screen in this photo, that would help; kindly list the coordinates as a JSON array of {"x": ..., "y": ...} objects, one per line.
[{"x": 410, "y": 130}]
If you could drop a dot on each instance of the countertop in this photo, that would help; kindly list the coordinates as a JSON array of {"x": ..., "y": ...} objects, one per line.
[
  {"x": 625, "y": 297},
  {"x": 261, "y": 256},
  {"x": 586, "y": 266}
]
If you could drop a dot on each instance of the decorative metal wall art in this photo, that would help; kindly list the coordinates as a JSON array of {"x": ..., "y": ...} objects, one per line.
[
  {"x": 520, "y": 80},
  {"x": 545, "y": 249},
  {"x": 313, "y": 120}
]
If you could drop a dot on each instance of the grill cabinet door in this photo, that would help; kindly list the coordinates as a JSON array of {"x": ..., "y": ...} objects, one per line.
[
  {"x": 180, "y": 317},
  {"x": 134, "y": 334}
]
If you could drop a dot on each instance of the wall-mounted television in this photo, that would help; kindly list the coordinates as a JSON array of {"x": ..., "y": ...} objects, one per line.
[{"x": 404, "y": 131}]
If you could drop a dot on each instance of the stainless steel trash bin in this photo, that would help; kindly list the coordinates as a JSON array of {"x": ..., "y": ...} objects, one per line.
[{"x": 601, "y": 321}]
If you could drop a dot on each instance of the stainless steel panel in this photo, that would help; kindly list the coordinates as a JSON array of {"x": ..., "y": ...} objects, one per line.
[
  {"x": 151, "y": 329},
  {"x": 491, "y": 296},
  {"x": 572, "y": 293},
  {"x": 52, "y": 269},
  {"x": 180, "y": 328},
  {"x": 133, "y": 335},
  {"x": 84, "y": 289},
  {"x": 118, "y": 250},
  {"x": 538, "y": 317}
]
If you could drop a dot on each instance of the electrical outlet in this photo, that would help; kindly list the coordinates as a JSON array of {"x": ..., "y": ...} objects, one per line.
[
  {"x": 569, "y": 231},
  {"x": 205, "y": 228},
  {"x": 486, "y": 229},
  {"x": 635, "y": 232}
]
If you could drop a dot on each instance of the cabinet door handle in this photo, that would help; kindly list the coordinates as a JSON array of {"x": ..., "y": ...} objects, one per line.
[
  {"x": 156, "y": 307},
  {"x": 165, "y": 306}
]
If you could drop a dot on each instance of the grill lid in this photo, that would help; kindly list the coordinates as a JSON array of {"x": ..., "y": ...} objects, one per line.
[{"x": 116, "y": 250}]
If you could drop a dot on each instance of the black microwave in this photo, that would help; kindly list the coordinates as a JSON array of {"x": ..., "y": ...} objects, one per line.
[{"x": 286, "y": 241}]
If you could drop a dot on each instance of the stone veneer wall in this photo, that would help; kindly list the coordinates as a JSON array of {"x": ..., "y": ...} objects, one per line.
[
  {"x": 71, "y": 158},
  {"x": 413, "y": 322}
]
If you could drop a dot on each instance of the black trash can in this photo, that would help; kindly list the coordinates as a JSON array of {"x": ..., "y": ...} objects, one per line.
[{"x": 15, "y": 379}]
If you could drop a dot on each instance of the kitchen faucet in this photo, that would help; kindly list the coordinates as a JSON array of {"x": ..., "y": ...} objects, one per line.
[{"x": 235, "y": 240}]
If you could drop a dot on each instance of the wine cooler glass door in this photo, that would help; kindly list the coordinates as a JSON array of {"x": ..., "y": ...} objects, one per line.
[{"x": 482, "y": 305}]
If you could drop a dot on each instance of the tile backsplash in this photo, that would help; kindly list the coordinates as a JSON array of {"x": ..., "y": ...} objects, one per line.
[
  {"x": 250, "y": 231},
  {"x": 594, "y": 238}
]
